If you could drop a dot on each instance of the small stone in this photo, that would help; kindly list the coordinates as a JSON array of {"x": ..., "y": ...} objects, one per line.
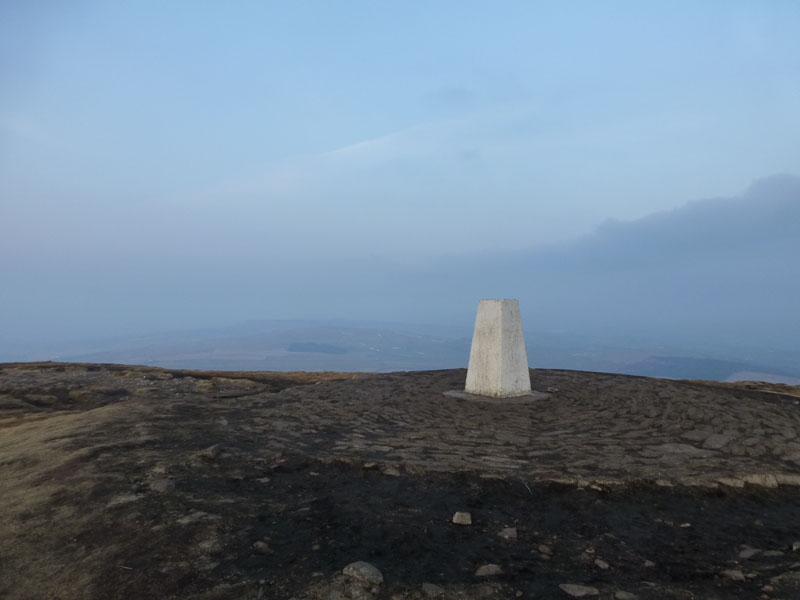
[
  {"x": 749, "y": 552},
  {"x": 212, "y": 452},
  {"x": 579, "y": 591},
  {"x": 772, "y": 553},
  {"x": 790, "y": 578},
  {"x": 364, "y": 572},
  {"x": 162, "y": 485},
  {"x": 392, "y": 471},
  {"x": 697, "y": 435},
  {"x": 761, "y": 479},
  {"x": 508, "y": 533},
  {"x": 124, "y": 499},
  {"x": 211, "y": 546},
  {"x": 731, "y": 482},
  {"x": 648, "y": 564},
  {"x": 716, "y": 441},
  {"x": 261, "y": 547},
  {"x": 488, "y": 570},
  {"x": 795, "y": 546},
  {"x": 545, "y": 549},
  {"x": 462, "y": 518},
  {"x": 431, "y": 590},
  {"x": 733, "y": 574},
  {"x": 623, "y": 595},
  {"x": 601, "y": 564},
  {"x": 685, "y": 525}
]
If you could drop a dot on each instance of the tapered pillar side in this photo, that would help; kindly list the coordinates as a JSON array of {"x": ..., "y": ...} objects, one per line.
[{"x": 498, "y": 362}]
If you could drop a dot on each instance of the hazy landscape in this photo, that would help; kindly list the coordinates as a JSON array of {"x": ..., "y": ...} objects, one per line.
[
  {"x": 242, "y": 250},
  {"x": 662, "y": 296}
]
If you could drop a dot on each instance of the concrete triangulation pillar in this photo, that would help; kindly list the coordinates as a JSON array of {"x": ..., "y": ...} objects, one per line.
[{"x": 498, "y": 363}]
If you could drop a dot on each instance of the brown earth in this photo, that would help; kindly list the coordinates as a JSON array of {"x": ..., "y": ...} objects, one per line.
[{"x": 136, "y": 482}]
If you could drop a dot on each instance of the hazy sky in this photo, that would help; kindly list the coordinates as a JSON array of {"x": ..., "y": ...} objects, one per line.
[{"x": 189, "y": 132}]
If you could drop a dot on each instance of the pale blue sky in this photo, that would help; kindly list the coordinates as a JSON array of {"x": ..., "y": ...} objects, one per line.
[{"x": 401, "y": 131}]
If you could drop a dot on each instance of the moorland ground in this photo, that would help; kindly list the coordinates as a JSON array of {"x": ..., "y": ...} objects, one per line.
[{"x": 136, "y": 482}]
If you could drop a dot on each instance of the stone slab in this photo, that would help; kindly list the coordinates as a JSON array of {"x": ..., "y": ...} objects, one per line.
[{"x": 524, "y": 399}]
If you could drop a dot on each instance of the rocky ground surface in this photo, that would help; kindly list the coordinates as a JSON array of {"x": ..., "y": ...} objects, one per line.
[{"x": 135, "y": 482}]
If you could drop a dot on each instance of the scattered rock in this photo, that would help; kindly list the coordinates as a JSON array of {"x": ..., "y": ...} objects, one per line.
[
  {"x": 211, "y": 453},
  {"x": 261, "y": 547},
  {"x": 196, "y": 516},
  {"x": 683, "y": 449},
  {"x": 508, "y": 533},
  {"x": 623, "y": 595},
  {"x": 791, "y": 578},
  {"x": 488, "y": 570},
  {"x": 392, "y": 471},
  {"x": 733, "y": 574},
  {"x": 772, "y": 553},
  {"x": 648, "y": 564},
  {"x": 716, "y": 441},
  {"x": 364, "y": 572},
  {"x": 579, "y": 591},
  {"x": 601, "y": 564},
  {"x": 685, "y": 525},
  {"x": 462, "y": 518},
  {"x": 761, "y": 479},
  {"x": 749, "y": 552},
  {"x": 124, "y": 499},
  {"x": 334, "y": 594},
  {"x": 162, "y": 485},
  {"x": 211, "y": 546},
  {"x": 731, "y": 482},
  {"x": 697, "y": 435},
  {"x": 431, "y": 590},
  {"x": 545, "y": 549},
  {"x": 795, "y": 546}
]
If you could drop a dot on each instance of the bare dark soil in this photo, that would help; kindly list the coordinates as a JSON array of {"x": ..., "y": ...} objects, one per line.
[{"x": 141, "y": 490}]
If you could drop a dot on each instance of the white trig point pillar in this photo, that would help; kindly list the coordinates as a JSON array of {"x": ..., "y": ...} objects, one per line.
[{"x": 498, "y": 362}]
